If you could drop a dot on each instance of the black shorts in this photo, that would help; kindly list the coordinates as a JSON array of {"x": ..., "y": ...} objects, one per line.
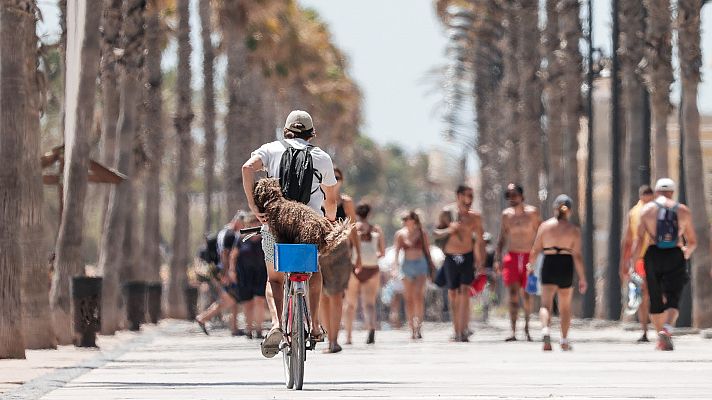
[
  {"x": 558, "y": 269},
  {"x": 251, "y": 282},
  {"x": 233, "y": 291},
  {"x": 459, "y": 270},
  {"x": 666, "y": 276}
]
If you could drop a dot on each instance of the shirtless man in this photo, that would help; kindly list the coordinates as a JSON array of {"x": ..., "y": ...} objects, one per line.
[
  {"x": 464, "y": 251},
  {"x": 518, "y": 230},
  {"x": 668, "y": 225}
]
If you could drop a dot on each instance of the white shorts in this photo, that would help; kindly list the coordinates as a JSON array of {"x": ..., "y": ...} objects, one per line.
[{"x": 268, "y": 242}]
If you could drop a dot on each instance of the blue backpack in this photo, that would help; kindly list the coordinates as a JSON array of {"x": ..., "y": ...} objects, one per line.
[{"x": 667, "y": 229}]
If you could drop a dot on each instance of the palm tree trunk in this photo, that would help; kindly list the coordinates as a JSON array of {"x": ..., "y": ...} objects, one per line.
[
  {"x": 177, "y": 279},
  {"x": 82, "y": 68},
  {"x": 35, "y": 300},
  {"x": 530, "y": 90},
  {"x": 659, "y": 77},
  {"x": 631, "y": 52},
  {"x": 690, "y": 55},
  {"x": 110, "y": 35},
  {"x": 16, "y": 18},
  {"x": 154, "y": 145},
  {"x": 208, "y": 111},
  {"x": 553, "y": 104},
  {"x": 510, "y": 92},
  {"x": 111, "y": 251},
  {"x": 572, "y": 79}
]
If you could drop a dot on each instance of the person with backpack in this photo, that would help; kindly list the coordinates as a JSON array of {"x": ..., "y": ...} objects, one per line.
[
  {"x": 306, "y": 175},
  {"x": 365, "y": 280},
  {"x": 668, "y": 225}
]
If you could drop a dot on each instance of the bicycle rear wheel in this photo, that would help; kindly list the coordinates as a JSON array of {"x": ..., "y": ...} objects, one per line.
[
  {"x": 288, "y": 321},
  {"x": 299, "y": 344}
]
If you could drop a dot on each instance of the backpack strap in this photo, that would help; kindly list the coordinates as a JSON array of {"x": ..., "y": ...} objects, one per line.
[{"x": 286, "y": 144}]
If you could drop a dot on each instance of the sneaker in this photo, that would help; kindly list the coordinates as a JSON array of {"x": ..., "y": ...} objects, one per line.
[
  {"x": 547, "y": 343},
  {"x": 270, "y": 346},
  {"x": 566, "y": 346},
  {"x": 664, "y": 341}
]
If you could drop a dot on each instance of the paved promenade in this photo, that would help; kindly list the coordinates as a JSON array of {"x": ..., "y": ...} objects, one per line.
[{"x": 175, "y": 361}]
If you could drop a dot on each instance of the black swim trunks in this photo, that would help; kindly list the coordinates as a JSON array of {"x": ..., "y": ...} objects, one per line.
[
  {"x": 459, "y": 269},
  {"x": 666, "y": 275},
  {"x": 558, "y": 269}
]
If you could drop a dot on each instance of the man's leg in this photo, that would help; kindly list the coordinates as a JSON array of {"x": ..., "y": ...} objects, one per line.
[
  {"x": 274, "y": 293},
  {"x": 454, "y": 300},
  {"x": 547, "y": 304},
  {"x": 565, "y": 296},
  {"x": 513, "y": 290},
  {"x": 336, "y": 306},
  {"x": 527, "y": 303},
  {"x": 315, "y": 285},
  {"x": 463, "y": 294},
  {"x": 225, "y": 301},
  {"x": 644, "y": 311}
]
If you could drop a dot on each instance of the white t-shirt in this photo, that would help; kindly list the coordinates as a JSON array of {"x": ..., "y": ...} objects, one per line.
[{"x": 271, "y": 156}]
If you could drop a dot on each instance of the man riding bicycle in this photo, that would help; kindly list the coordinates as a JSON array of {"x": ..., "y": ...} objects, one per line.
[{"x": 298, "y": 132}]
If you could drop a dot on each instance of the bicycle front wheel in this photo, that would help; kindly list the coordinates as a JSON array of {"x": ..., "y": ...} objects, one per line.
[
  {"x": 287, "y": 323},
  {"x": 299, "y": 344}
]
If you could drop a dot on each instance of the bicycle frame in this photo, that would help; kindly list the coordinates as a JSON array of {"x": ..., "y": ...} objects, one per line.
[{"x": 295, "y": 284}]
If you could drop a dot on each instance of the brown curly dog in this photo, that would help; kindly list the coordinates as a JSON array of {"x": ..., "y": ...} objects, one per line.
[{"x": 294, "y": 222}]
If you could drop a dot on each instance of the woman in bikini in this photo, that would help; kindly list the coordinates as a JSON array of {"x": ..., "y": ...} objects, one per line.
[
  {"x": 559, "y": 240},
  {"x": 365, "y": 281},
  {"x": 415, "y": 268}
]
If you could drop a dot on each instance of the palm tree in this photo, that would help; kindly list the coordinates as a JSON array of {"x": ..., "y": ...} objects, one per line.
[
  {"x": 16, "y": 21},
  {"x": 530, "y": 91},
  {"x": 690, "y": 54},
  {"x": 553, "y": 102},
  {"x": 154, "y": 143},
  {"x": 208, "y": 110},
  {"x": 659, "y": 76},
  {"x": 111, "y": 249},
  {"x": 631, "y": 53},
  {"x": 80, "y": 89},
  {"x": 35, "y": 301},
  {"x": 510, "y": 89},
  {"x": 182, "y": 121},
  {"x": 571, "y": 62}
]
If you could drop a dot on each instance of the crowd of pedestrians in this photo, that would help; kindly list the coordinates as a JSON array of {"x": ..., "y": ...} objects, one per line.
[{"x": 531, "y": 257}]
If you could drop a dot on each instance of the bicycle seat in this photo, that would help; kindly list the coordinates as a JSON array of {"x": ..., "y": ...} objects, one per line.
[{"x": 296, "y": 258}]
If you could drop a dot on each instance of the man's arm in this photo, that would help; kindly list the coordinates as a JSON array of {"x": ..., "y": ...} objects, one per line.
[
  {"x": 249, "y": 169},
  {"x": 500, "y": 244},
  {"x": 689, "y": 232},
  {"x": 232, "y": 271},
  {"x": 626, "y": 247},
  {"x": 640, "y": 237},
  {"x": 578, "y": 263},
  {"x": 537, "y": 247},
  {"x": 480, "y": 251},
  {"x": 444, "y": 227},
  {"x": 330, "y": 201}
]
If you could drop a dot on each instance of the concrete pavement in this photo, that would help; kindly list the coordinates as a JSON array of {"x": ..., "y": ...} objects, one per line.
[{"x": 178, "y": 362}]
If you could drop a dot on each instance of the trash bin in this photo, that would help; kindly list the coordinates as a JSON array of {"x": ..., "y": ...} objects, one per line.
[
  {"x": 191, "y": 302},
  {"x": 155, "y": 291},
  {"x": 86, "y": 299},
  {"x": 135, "y": 295}
]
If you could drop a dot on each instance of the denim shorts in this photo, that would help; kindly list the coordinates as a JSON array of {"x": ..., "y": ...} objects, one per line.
[{"x": 412, "y": 269}]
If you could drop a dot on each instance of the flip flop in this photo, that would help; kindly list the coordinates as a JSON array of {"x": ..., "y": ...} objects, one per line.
[
  {"x": 202, "y": 326},
  {"x": 270, "y": 345}
]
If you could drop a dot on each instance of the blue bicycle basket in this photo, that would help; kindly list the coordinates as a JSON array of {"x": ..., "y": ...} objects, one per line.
[{"x": 296, "y": 258}]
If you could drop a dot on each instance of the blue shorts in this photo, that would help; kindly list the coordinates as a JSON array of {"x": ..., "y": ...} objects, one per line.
[{"x": 412, "y": 269}]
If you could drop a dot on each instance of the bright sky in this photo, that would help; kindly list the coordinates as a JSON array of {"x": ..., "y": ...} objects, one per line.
[{"x": 391, "y": 46}]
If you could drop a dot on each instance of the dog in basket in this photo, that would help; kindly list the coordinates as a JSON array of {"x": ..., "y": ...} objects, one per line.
[{"x": 294, "y": 222}]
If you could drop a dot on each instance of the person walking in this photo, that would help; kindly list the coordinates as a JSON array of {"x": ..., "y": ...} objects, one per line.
[
  {"x": 668, "y": 225},
  {"x": 336, "y": 268},
  {"x": 519, "y": 225},
  {"x": 630, "y": 264},
  {"x": 461, "y": 233},
  {"x": 365, "y": 281},
  {"x": 299, "y": 132},
  {"x": 415, "y": 268},
  {"x": 251, "y": 281},
  {"x": 560, "y": 242}
]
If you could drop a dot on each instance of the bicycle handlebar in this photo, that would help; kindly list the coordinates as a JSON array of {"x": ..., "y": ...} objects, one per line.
[{"x": 254, "y": 229}]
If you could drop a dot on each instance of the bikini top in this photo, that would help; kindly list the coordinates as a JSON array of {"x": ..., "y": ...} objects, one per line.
[
  {"x": 558, "y": 250},
  {"x": 416, "y": 244}
]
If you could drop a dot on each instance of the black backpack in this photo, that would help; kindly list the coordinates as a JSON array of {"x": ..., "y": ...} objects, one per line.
[
  {"x": 296, "y": 173},
  {"x": 666, "y": 235}
]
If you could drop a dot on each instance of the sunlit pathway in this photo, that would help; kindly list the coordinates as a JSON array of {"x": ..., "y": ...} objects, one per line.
[{"x": 180, "y": 363}]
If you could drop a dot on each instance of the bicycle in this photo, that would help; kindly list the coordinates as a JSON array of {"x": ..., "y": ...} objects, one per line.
[{"x": 298, "y": 262}]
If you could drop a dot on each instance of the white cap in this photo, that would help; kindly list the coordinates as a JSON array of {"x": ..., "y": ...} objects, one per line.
[
  {"x": 299, "y": 121},
  {"x": 665, "y": 185}
]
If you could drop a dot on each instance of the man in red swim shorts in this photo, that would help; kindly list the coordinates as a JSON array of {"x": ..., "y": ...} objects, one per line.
[{"x": 520, "y": 223}]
